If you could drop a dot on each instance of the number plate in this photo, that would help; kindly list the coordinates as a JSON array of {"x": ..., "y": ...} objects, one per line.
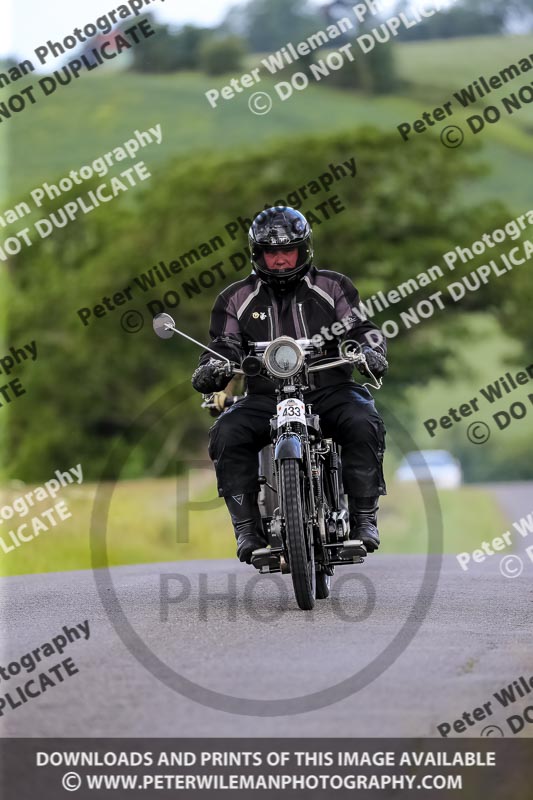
[{"x": 290, "y": 410}]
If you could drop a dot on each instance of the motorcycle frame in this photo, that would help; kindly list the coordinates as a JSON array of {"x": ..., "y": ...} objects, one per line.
[{"x": 321, "y": 483}]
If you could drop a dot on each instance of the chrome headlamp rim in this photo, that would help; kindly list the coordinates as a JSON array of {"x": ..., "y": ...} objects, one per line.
[{"x": 270, "y": 364}]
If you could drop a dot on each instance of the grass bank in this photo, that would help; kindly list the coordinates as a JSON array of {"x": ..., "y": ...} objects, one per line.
[
  {"x": 148, "y": 522},
  {"x": 49, "y": 139}
]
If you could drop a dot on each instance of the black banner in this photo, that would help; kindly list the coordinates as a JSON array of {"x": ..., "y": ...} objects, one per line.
[{"x": 387, "y": 768}]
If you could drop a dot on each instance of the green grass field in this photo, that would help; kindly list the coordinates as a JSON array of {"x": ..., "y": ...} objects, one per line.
[
  {"x": 448, "y": 65},
  {"x": 112, "y": 107},
  {"x": 144, "y": 525},
  {"x": 83, "y": 120},
  {"x": 485, "y": 356}
]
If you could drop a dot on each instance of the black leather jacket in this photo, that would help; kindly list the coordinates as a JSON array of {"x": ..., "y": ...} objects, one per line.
[{"x": 250, "y": 311}]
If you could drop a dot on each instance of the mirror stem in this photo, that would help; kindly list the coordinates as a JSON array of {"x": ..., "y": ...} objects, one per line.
[{"x": 218, "y": 355}]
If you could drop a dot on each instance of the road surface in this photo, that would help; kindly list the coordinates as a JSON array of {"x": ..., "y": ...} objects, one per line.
[{"x": 237, "y": 634}]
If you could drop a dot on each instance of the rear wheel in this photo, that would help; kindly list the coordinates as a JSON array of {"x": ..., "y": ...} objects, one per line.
[
  {"x": 300, "y": 549},
  {"x": 323, "y": 585}
]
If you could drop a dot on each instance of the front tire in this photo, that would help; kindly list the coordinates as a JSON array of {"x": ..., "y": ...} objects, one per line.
[{"x": 300, "y": 551}]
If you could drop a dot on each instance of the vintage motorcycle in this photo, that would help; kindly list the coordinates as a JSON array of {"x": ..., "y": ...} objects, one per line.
[{"x": 303, "y": 506}]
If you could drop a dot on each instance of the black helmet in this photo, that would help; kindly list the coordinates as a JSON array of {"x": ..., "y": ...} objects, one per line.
[{"x": 284, "y": 229}]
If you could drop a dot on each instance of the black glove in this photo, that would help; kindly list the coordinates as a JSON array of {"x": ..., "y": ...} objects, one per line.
[
  {"x": 211, "y": 377},
  {"x": 377, "y": 364}
]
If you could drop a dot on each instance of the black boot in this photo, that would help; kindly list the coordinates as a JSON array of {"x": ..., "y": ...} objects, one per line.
[
  {"x": 246, "y": 519},
  {"x": 363, "y": 521}
]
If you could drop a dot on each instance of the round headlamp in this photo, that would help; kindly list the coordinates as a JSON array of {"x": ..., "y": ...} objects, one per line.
[{"x": 284, "y": 357}]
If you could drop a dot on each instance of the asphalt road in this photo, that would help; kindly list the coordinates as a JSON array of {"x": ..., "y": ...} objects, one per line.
[{"x": 247, "y": 638}]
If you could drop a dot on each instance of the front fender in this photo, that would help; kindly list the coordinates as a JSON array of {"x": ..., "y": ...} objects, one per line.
[{"x": 289, "y": 445}]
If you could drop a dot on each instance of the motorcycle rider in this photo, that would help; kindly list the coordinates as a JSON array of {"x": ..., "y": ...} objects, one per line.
[{"x": 285, "y": 294}]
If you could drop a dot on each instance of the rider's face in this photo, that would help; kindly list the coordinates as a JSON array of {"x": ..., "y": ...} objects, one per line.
[{"x": 277, "y": 259}]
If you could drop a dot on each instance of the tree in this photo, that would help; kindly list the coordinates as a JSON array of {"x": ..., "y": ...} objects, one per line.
[
  {"x": 518, "y": 13},
  {"x": 220, "y": 56},
  {"x": 471, "y": 18},
  {"x": 90, "y": 382},
  {"x": 375, "y": 72},
  {"x": 170, "y": 50},
  {"x": 269, "y": 24}
]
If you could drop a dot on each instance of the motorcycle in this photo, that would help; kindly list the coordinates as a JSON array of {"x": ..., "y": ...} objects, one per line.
[{"x": 302, "y": 501}]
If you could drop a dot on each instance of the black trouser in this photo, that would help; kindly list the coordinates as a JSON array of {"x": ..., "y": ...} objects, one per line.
[{"x": 347, "y": 415}]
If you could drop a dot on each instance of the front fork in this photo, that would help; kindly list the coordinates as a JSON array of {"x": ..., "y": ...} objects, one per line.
[
  {"x": 321, "y": 486},
  {"x": 296, "y": 445}
]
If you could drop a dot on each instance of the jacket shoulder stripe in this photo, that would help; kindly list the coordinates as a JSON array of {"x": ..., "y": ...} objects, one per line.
[
  {"x": 320, "y": 291},
  {"x": 244, "y": 306}
]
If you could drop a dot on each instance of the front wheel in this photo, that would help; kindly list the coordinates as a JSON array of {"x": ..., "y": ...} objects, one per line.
[{"x": 299, "y": 547}]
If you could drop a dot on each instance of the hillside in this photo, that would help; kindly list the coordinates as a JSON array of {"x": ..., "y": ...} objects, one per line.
[{"x": 97, "y": 110}]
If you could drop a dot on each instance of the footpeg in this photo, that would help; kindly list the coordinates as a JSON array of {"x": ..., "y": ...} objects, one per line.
[
  {"x": 352, "y": 549},
  {"x": 266, "y": 560}
]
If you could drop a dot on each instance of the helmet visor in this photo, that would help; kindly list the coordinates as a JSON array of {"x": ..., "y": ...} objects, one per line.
[{"x": 281, "y": 259}]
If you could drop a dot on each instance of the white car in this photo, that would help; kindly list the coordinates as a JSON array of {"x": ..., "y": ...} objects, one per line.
[{"x": 426, "y": 465}]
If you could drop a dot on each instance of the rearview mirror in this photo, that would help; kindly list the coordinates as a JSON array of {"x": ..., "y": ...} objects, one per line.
[{"x": 161, "y": 325}]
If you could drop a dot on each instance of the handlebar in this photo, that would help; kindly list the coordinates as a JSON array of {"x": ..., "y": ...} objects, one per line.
[
  {"x": 355, "y": 360},
  {"x": 165, "y": 327},
  {"x": 337, "y": 363}
]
